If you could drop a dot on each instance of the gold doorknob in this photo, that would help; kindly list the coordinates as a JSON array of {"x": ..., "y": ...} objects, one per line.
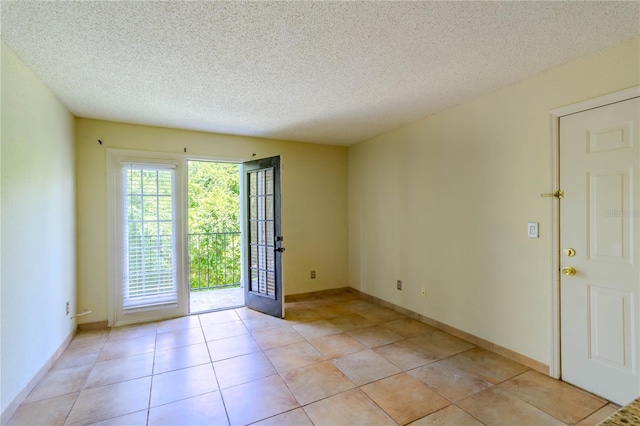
[{"x": 569, "y": 270}]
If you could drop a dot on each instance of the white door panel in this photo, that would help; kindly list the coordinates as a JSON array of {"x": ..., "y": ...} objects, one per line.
[{"x": 599, "y": 218}]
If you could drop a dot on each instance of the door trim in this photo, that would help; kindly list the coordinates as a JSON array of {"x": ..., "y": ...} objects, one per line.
[{"x": 554, "y": 209}]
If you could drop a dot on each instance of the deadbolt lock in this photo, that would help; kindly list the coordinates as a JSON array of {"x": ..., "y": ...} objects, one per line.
[{"x": 569, "y": 252}]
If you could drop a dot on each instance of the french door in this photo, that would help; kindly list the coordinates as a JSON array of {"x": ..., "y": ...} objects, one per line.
[
  {"x": 263, "y": 238},
  {"x": 147, "y": 237},
  {"x": 147, "y": 231}
]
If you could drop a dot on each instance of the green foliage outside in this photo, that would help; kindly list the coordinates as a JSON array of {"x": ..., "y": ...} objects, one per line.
[{"x": 214, "y": 225}]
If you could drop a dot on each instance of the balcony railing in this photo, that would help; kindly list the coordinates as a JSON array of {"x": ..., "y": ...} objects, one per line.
[{"x": 214, "y": 261}]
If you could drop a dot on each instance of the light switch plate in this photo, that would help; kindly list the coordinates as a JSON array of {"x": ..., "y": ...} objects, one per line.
[{"x": 532, "y": 229}]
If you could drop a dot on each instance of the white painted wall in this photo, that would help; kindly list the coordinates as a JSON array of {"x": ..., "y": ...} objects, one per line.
[
  {"x": 443, "y": 203},
  {"x": 314, "y": 201},
  {"x": 38, "y": 254}
]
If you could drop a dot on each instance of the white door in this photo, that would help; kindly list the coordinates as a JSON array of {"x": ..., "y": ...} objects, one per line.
[{"x": 600, "y": 240}]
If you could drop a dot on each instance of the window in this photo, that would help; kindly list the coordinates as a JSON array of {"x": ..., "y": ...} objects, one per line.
[{"x": 150, "y": 243}]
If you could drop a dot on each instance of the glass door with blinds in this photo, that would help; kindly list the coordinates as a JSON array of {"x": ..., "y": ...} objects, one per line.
[
  {"x": 148, "y": 233},
  {"x": 263, "y": 239}
]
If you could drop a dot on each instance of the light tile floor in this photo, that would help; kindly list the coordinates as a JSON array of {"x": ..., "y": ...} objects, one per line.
[
  {"x": 335, "y": 360},
  {"x": 224, "y": 298}
]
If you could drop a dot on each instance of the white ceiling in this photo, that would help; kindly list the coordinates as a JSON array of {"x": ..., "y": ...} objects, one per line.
[{"x": 323, "y": 72}]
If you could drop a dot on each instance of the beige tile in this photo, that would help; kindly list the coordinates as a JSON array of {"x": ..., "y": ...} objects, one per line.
[
  {"x": 174, "y": 339},
  {"x": 264, "y": 322},
  {"x": 242, "y": 369},
  {"x": 405, "y": 355},
  {"x": 131, "y": 331},
  {"x": 448, "y": 416},
  {"x": 109, "y": 401},
  {"x": 314, "y": 382},
  {"x": 277, "y": 399},
  {"x": 219, "y": 317},
  {"x": 89, "y": 338},
  {"x": 206, "y": 409},
  {"x": 314, "y": 329},
  {"x": 346, "y": 296},
  {"x": 597, "y": 417},
  {"x": 328, "y": 309},
  {"x": 181, "y": 384},
  {"x": 245, "y": 313},
  {"x": 49, "y": 412},
  {"x": 78, "y": 356},
  {"x": 352, "y": 407},
  {"x": 139, "y": 418},
  {"x": 182, "y": 357},
  {"x": 293, "y": 356},
  {"x": 232, "y": 346},
  {"x": 120, "y": 369},
  {"x": 314, "y": 303},
  {"x": 494, "y": 406},
  {"x": 275, "y": 337},
  {"x": 222, "y": 331},
  {"x": 128, "y": 347},
  {"x": 295, "y": 417},
  {"x": 359, "y": 305},
  {"x": 488, "y": 365},
  {"x": 450, "y": 381},
  {"x": 407, "y": 327},
  {"x": 381, "y": 315},
  {"x": 294, "y": 304},
  {"x": 557, "y": 398},
  {"x": 375, "y": 336},
  {"x": 337, "y": 345},
  {"x": 404, "y": 398},
  {"x": 182, "y": 323},
  {"x": 350, "y": 322},
  {"x": 365, "y": 367},
  {"x": 441, "y": 344},
  {"x": 301, "y": 315},
  {"x": 60, "y": 382}
]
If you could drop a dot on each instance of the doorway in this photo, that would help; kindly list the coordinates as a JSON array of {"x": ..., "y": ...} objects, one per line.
[
  {"x": 214, "y": 237},
  {"x": 597, "y": 266}
]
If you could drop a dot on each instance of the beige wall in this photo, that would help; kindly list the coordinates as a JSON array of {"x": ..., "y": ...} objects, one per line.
[
  {"x": 314, "y": 201},
  {"x": 38, "y": 226},
  {"x": 443, "y": 204}
]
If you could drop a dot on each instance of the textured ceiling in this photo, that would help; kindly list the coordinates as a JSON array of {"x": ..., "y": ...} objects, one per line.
[{"x": 324, "y": 72}]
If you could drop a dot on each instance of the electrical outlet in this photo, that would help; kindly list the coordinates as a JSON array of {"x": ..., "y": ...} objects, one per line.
[
  {"x": 313, "y": 275},
  {"x": 399, "y": 284},
  {"x": 424, "y": 293},
  {"x": 67, "y": 308}
]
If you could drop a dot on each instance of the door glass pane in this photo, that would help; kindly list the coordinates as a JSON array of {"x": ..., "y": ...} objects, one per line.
[
  {"x": 253, "y": 229},
  {"x": 269, "y": 207},
  {"x": 270, "y": 238},
  {"x": 150, "y": 270},
  {"x": 270, "y": 260},
  {"x": 262, "y": 232},
  {"x": 269, "y": 179},
  {"x": 253, "y": 185},
  {"x": 271, "y": 283},
  {"x": 260, "y": 182}
]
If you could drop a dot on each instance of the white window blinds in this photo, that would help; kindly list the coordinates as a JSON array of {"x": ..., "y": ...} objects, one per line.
[{"x": 150, "y": 235}]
